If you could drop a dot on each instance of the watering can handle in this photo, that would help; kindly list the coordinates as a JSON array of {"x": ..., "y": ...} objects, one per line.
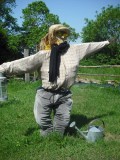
[{"x": 95, "y": 120}]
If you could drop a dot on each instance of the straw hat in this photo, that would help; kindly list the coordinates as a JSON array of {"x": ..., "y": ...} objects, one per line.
[{"x": 50, "y": 37}]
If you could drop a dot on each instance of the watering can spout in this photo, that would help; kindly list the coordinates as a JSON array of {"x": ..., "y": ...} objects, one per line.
[
  {"x": 93, "y": 133},
  {"x": 73, "y": 124},
  {"x": 82, "y": 134}
]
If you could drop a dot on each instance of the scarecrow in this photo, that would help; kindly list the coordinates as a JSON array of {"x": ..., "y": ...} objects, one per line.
[{"x": 57, "y": 62}]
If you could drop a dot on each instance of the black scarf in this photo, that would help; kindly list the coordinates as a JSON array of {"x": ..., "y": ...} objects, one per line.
[{"x": 55, "y": 58}]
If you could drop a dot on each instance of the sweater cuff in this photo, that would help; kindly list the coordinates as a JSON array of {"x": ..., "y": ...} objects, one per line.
[
  {"x": 2, "y": 70},
  {"x": 107, "y": 42}
]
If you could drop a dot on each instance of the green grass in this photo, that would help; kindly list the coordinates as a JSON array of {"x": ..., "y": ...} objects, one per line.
[{"x": 19, "y": 134}]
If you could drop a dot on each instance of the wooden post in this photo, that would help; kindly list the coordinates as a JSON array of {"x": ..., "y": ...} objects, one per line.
[
  {"x": 34, "y": 74},
  {"x": 27, "y": 75}
]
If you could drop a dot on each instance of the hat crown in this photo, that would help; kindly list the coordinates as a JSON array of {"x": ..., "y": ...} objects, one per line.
[{"x": 58, "y": 27}]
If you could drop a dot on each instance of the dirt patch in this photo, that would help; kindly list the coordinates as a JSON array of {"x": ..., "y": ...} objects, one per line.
[{"x": 112, "y": 137}]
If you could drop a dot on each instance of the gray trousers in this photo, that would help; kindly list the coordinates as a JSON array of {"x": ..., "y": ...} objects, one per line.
[{"x": 46, "y": 103}]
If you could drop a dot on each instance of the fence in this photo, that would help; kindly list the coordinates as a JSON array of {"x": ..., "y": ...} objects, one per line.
[{"x": 103, "y": 66}]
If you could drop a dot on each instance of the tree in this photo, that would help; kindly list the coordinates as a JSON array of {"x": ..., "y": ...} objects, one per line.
[
  {"x": 8, "y": 51},
  {"x": 7, "y": 21},
  {"x": 104, "y": 27},
  {"x": 37, "y": 20},
  {"x": 9, "y": 40}
]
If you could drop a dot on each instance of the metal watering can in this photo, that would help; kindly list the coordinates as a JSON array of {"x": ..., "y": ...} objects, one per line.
[
  {"x": 3, "y": 87},
  {"x": 94, "y": 132}
]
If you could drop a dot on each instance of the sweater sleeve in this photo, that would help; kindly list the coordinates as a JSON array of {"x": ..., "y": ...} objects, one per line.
[
  {"x": 86, "y": 49},
  {"x": 23, "y": 65}
]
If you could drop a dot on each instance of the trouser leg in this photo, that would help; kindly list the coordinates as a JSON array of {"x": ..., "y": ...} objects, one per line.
[
  {"x": 62, "y": 114},
  {"x": 42, "y": 112}
]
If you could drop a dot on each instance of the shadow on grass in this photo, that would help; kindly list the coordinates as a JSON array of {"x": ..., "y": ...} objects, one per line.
[
  {"x": 82, "y": 120},
  {"x": 31, "y": 130}
]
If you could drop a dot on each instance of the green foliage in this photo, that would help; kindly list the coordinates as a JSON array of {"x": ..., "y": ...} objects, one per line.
[
  {"x": 7, "y": 21},
  {"x": 8, "y": 48},
  {"x": 73, "y": 35},
  {"x": 3, "y": 44},
  {"x": 104, "y": 27},
  {"x": 20, "y": 137},
  {"x": 9, "y": 41},
  {"x": 34, "y": 14}
]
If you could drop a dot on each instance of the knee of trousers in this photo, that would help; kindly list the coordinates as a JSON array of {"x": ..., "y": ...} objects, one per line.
[
  {"x": 62, "y": 121},
  {"x": 61, "y": 125},
  {"x": 42, "y": 120}
]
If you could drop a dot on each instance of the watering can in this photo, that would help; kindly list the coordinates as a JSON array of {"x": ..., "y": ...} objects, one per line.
[
  {"x": 3, "y": 88},
  {"x": 94, "y": 132}
]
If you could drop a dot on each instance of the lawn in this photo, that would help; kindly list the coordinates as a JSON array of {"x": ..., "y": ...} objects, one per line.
[{"x": 19, "y": 134}]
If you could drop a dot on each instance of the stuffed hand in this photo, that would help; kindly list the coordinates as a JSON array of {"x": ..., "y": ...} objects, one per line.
[{"x": 1, "y": 69}]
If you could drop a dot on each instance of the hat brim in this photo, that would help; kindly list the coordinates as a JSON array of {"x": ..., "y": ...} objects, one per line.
[{"x": 65, "y": 29}]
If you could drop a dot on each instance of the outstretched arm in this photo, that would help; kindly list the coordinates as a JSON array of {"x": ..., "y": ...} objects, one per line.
[
  {"x": 23, "y": 65},
  {"x": 85, "y": 49}
]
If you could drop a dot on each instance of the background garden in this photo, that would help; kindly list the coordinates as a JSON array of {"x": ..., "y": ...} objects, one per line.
[{"x": 19, "y": 134}]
